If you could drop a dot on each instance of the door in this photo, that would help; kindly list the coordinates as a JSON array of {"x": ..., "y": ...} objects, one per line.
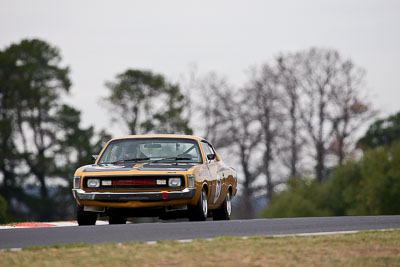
[{"x": 215, "y": 179}]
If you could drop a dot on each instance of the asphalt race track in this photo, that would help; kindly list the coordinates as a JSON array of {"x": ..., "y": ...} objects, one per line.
[{"x": 19, "y": 238}]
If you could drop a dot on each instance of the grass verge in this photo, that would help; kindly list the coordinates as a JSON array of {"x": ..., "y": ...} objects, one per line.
[{"x": 372, "y": 248}]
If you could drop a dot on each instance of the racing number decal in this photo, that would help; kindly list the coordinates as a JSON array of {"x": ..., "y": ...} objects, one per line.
[{"x": 217, "y": 189}]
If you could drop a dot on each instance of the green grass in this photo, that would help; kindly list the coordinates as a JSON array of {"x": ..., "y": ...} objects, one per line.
[{"x": 371, "y": 248}]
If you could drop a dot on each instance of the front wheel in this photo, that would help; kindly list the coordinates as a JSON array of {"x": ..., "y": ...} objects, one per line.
[
  {"x": 200, "y": 211},
  {"x": 224, "y": 213},
  {"x": 86, "y": 217}
]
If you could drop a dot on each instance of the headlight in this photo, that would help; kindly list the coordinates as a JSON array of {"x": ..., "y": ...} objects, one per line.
[
  {"x": 93, "y": 182},
  {"x": 77, "y": 182},
  {"x": 190, "y": 180},
  {"x": 174, "y": 182}
]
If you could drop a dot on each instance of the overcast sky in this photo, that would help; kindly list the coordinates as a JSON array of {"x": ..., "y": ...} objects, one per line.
[{"x": 99, "y": 39}]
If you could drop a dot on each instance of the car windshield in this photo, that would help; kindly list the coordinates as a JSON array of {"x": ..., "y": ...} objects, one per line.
[{"x": 177, "y": 150}]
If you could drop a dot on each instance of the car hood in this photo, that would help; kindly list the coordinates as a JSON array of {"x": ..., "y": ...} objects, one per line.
[{"x": 139, "y": 166}]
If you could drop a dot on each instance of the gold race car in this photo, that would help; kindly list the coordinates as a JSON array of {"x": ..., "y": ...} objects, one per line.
[{"x": 165, "y": 176}]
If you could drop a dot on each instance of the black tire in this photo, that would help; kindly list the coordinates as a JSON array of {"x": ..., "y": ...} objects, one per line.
[
  {"x": 116, "y": 219},
  {"x": 200, "y": 211},
  {"x": 224, "y": 213},
  {"x": 86, "y": 217}
]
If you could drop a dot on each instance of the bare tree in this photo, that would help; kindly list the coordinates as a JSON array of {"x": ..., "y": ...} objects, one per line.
[
  {"x": 230, "y": 124},
  {"x": 318, "y": 71},
  {"x": 331, "y": 106},
  {"x": 351, "y": 109},
  {"x": 244, "y": 135},
  {"x": 309, "y": 98},
  {"x": 213, "y": 103},
  {"x": 287, "y": 78},
  {"x": 266, "y": 101}
]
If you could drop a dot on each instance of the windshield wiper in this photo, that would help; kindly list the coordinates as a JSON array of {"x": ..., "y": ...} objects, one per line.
[
  {"x": 133, "y": 159},
  {"x": 168, "y": 159},
  {"x": 125, "y": 160}
]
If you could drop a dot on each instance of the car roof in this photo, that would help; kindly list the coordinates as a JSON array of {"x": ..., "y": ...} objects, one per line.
[{"x": 159, "y": 136}]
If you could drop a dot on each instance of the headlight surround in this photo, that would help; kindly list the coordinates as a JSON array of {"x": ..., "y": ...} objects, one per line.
[
  {"x": 174, "y": 182},
  {"x": 191, "y": 180},
  {"x": 76, "y": 182},
  {"x": 93, "y": 183}
]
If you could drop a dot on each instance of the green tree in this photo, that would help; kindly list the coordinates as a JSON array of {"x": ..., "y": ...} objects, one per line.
[
  {"x": 39, "y": 133},
  {"x": 342, "y": 192},
  {"x": 303, "y": 198},
  {"x": 382, "y": 132},
  {"x": 170, "y": 119},
  {"x": 369, "y": 186},
  {"x": 8, "y": 120},
  {"x": 381, "y": 176},
  {"x": 146, "y": 102},
  {"x": 39, "y": 80},
  {"x": 75, "y": 148},
  {"x": 3, "y": 210}
]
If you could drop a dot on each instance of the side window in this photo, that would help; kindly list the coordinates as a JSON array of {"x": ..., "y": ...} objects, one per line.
[{"x": 208, "y": 150}]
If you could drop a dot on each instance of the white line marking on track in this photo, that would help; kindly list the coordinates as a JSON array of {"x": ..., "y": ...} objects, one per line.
[
  {"x": 317, "y": 234},
  {"x": 45, "y": 224},
  {"x": 185, "y": 240}
]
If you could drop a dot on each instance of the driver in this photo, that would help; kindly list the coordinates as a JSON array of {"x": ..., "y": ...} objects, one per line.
[{"x": 133, "y": 152}]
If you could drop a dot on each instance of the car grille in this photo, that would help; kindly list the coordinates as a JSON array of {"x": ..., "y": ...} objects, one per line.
[{"x": 127, "y": 182}]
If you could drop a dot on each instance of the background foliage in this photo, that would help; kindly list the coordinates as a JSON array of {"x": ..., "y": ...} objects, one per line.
[
  {"x": 290, "y": 130},
  {"x": 369, "y": 186},
  {"x": 3, "y": 210}
]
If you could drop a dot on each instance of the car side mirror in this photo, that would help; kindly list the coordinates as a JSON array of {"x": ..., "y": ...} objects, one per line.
[
  {"x": 94, "y": 157},
  {"x": 211, "y": 156}
]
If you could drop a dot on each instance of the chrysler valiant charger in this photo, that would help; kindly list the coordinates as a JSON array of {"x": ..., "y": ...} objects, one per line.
[{"x": 165, "y": 176}]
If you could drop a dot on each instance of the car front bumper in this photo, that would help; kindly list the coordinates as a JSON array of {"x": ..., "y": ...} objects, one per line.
[{"x": 186, "y": 193}]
